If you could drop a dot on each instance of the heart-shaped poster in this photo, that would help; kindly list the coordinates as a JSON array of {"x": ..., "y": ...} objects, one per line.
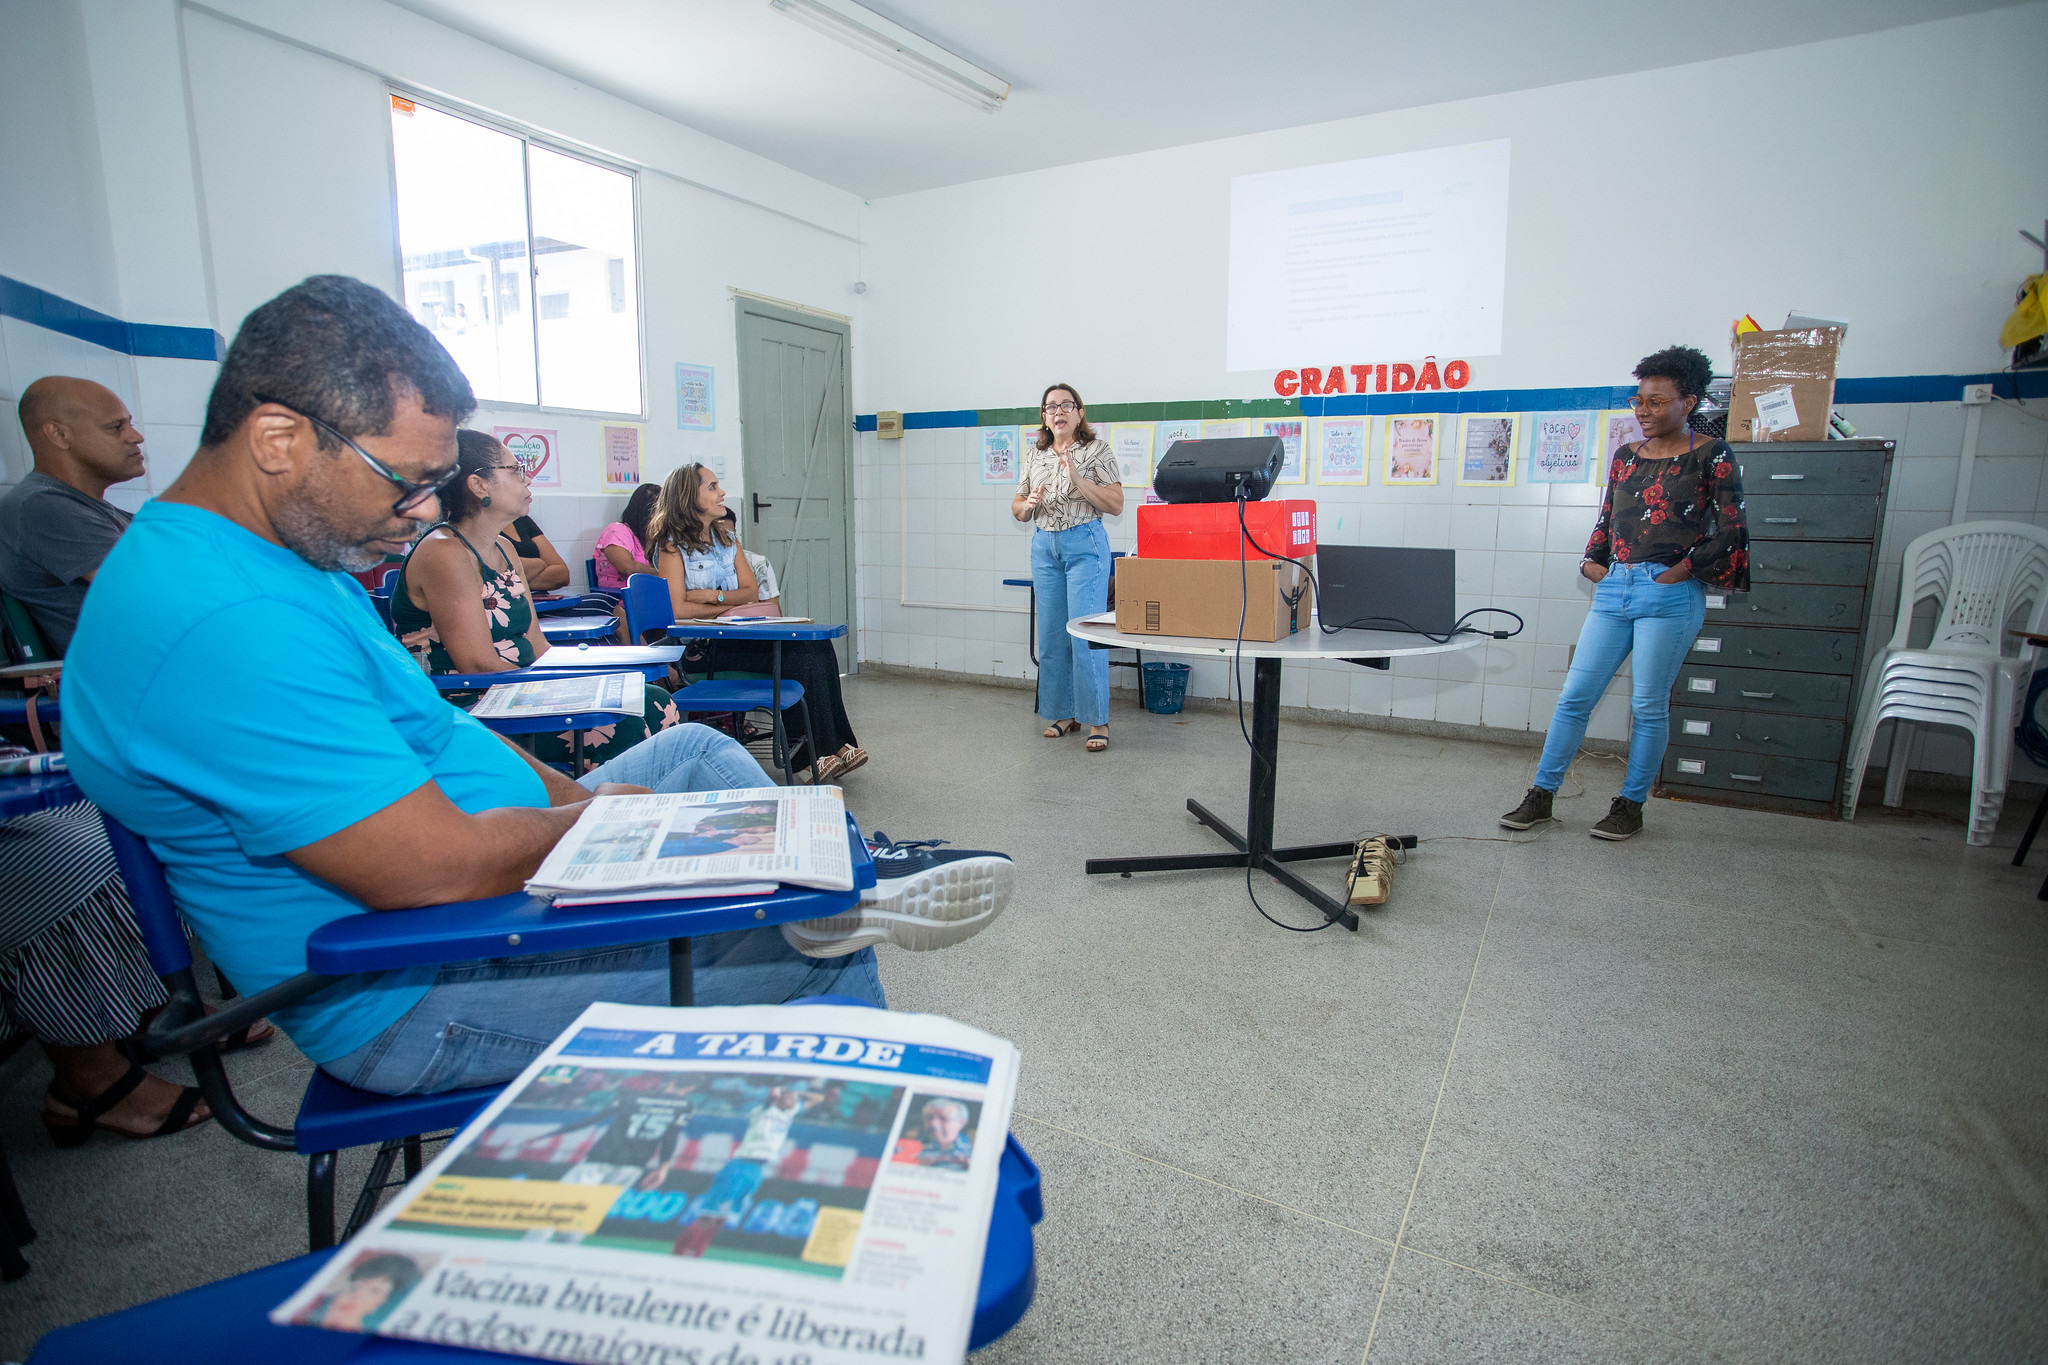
[{"x": 535, "y": 450}]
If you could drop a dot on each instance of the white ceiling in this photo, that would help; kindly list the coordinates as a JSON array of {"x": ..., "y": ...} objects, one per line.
[{"x": 1096, "y": 78}]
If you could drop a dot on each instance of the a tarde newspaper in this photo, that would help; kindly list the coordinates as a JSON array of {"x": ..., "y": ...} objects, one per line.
[
  {"x": 792, "y": 835},
  {"x": 735, "y": 1186}
]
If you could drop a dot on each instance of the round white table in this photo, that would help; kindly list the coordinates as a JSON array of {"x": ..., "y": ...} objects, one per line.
[{"x": 1254, "y": 847}]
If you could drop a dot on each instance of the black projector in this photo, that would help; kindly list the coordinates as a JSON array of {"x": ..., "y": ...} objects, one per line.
[{"x": 1221, "y": 470}]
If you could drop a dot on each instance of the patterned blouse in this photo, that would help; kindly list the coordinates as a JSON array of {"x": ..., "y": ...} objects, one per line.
[
  {"x": 1062, "y": 509},
  {"x": 1687, "y": 507}
]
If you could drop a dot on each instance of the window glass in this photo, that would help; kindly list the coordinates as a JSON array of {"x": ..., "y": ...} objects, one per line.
[
  {"x": 584, "y": 273},
  {"x": 462, "y": 236},
  {"x": 561, "y": 329}
]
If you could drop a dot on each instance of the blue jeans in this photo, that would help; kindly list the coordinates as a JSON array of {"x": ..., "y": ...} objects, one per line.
[
  {"x": 481, "y": 1022},
  {"x": 1657, "y": 621},
  {"x": 1070, "y": 576}
]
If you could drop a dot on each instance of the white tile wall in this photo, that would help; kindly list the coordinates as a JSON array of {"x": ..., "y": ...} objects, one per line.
[{"x": 1517, "y": 548}]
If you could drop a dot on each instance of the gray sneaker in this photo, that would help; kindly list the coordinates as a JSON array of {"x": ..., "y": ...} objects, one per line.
[
  {"x": 1534, "y": 810},
  {"x": 1624, "y": 820},
  {"x": 925, "y": 897}
]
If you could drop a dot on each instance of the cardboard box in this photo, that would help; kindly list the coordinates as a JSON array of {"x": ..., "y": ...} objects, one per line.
[
  {"x": 1793, "y": 373},
  {"x": 1284, "y": 527},
  {"x": 1202, "y": 598}
]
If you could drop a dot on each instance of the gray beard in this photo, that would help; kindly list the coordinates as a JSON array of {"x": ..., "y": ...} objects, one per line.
[{"x": 302, "y": 531}]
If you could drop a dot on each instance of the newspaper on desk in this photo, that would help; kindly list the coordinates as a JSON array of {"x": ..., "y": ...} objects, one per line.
[
  {"x": 792, "y": 835},
  {"x": 620, "y": 694},
  {"x": 701, "y": 1187}
]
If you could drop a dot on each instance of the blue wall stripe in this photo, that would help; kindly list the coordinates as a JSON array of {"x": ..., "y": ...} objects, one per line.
[
  {"x": 41, "y": 308},
  {"x": 1904, "y": 388}
]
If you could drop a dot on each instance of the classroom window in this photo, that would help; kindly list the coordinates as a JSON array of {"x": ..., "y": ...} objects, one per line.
[{"x": 521, "y": 260}]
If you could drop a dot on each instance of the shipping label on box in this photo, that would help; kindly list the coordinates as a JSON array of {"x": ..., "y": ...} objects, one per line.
[
  {"x": 1784, "y": 385},
  {"x": 1203, "y": 598}
]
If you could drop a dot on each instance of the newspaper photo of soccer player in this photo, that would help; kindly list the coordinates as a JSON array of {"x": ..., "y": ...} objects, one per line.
[
  {"x": 758, "y": 1167},
  {"x": 938, "y": 1133}
]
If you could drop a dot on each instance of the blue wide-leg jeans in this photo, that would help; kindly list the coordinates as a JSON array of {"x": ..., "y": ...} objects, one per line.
[
  {"x": 1632, "y": 613},
  {"x": 1070, "y": 575}
]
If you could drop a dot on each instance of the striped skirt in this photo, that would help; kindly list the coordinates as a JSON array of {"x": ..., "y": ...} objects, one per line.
[{"x": 73, "y": 971}]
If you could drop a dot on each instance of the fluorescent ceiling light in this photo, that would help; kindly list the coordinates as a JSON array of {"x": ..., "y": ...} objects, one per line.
[{"x": 866, "y": 31}]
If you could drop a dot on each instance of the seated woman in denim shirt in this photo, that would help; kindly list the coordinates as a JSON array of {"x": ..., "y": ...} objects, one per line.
[{"x": 698, "y": 552}]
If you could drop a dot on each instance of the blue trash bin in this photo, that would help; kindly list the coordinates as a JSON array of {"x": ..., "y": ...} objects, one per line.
[{"x": 1165, "y": 688}]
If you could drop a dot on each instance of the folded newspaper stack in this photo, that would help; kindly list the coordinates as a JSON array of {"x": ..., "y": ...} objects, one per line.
[
  {"x": 699, "y": 844},
  {"x": 620, "y": 694},
  {"x": 758, "y": 1183}
]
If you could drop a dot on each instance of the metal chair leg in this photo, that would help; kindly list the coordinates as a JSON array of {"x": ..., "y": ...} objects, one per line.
[
  {"x": 413, "y": 1157},
  {"x": 320, "y": 1201},
  {"x": 15, "y": 1229},
  {"x": 2033, "y": 828}
]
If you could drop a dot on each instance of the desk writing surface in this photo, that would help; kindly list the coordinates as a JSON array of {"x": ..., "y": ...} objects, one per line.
[
  {"x": 1309, "y": 643},
  {"x": 717, "y": 629}
]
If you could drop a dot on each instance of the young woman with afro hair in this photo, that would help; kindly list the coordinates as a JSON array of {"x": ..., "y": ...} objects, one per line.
[{"x": 1670, "y": 524}]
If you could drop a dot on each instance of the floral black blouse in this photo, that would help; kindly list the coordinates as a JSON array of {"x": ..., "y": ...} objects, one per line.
[{"x": 1687, "y": 507}]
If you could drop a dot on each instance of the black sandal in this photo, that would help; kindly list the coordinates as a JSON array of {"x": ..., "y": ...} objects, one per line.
[{"x": 87, "y": 1117}]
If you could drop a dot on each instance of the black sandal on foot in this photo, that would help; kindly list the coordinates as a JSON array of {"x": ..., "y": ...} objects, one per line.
[
  {"x": 1097, "y": 743},
  {"x": 86, "y": 1117},
  {"x": 1060, "y": 729}
]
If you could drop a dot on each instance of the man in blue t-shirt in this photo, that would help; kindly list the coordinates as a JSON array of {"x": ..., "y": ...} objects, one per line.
[{"x": 231, "y": 697}]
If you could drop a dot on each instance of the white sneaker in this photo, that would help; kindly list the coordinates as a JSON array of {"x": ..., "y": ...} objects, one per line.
[{"x": 924, "y": 897}]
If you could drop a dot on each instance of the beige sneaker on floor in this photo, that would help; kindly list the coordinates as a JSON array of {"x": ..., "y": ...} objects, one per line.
[{"x": 1371, "y": 879}]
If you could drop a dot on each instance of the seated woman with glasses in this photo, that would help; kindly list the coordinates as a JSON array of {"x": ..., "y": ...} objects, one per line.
[
  {"x": 462, "y": 601},
  {"x": 1670, "y": 524},
  {"x": 697, "y": 548}
]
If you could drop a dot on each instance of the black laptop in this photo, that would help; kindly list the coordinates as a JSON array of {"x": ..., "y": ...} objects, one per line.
[{"x": 1388, "y": 587}]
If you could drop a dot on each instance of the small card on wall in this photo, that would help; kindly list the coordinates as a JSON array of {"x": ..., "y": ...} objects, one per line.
[
  {"x": 537, "y": 453},
  {"x": 621, "y": 446},
  {"x": 1410, "y": 446},
  {"x": 1341, "y": 450},
  {"x": 1132, "y": 442},
  {"x": 1560, "y": 447},
  {"x": 696, "y": 397},
  {"x": 1618, "y": 428},
  {"x": 1293, "y": 434},
  {"x": 1486, "y": 449},
  {"x": 999, "y": 446}
]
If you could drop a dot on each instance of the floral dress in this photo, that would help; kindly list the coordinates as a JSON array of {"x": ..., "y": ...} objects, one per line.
[{"x": 509, "y": 611}]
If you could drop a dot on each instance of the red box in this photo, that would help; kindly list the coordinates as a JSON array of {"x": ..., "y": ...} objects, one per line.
[{"x": 1286, "y": 528}]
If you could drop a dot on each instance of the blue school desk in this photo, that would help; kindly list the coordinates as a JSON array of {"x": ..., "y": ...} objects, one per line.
[
  {"x": 45, "y": 791},
  {"x": 776, "y": 634}
]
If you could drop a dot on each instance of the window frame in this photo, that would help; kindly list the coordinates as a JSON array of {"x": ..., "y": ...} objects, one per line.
[{"x": 528, "y": 138}]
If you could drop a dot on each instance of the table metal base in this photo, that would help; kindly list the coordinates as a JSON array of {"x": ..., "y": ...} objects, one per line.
[{"x": 1254, "y": 848}]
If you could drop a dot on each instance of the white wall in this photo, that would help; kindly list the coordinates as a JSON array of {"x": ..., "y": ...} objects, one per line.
[
  {"x": 1886, "y": 190},
  {"x": 1878, "y": 178}
]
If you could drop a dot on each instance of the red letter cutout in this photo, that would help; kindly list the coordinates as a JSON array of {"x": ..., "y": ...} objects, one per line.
[
  {"x": 1457, "y": 374},
  {"x": 1311, "y": 381},
  {"x": 1379, "y": 384},
  {"x": 1361, "y": 378},
  {"x": 1428, "y": 378},
  {"x": 1404, "y": 378},
  {"x": 1283, "y": 383}
]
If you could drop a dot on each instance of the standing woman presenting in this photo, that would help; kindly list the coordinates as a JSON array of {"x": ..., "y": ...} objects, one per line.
[
  {"x": 1068, "y": 484},
  {"x": 1671, "y": 523}
]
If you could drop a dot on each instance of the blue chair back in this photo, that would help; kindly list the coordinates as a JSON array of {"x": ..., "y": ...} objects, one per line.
[
  {"x": 647, "y": 606},
  {"x": 156, "y": 914},
  {"x": 590, "y": 575},
  {"x": 390, "y": 583}
]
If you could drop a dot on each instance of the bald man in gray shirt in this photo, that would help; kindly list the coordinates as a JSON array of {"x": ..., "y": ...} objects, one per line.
[{"x": 56, "y": 525}]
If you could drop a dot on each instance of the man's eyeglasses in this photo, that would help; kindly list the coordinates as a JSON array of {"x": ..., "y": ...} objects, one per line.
[
  {"x": 1651, "y": 405},
  {"x": 1062, "y": 407},
  {"x": 410, "y": 494}
]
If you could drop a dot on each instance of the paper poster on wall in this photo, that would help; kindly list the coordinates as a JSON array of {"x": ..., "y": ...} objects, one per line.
[
  {"x": 1560, "y": 446},
  {"x": 1341, "y": 449},
  {"x": 696, "y": 398},
  {"x": 1180, "y": 429},
  {"x": 537, "y": 451},
  {"x": 1293, "y": 434},
  {"x": 1132, "y": 442},
  {"x": 999, "y": 447},
  {"x": 1410, "y": 444},
  {"x": 1618, "y": 428},
  {"x": 621, "y": 446},
  {"x": 1486, "y": 449},
  {"x": 1216, "y": 431}
]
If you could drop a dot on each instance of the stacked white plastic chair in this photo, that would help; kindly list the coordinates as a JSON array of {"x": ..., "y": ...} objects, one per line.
[{"x": 1971, "y": 673}]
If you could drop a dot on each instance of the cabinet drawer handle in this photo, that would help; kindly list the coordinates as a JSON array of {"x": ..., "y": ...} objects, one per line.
[
  {"x": 1787, "y": 478},
  {"x": 1758, "y": 739},
  {"x": 1760, "y": 696},
  {"x": 1745, "y": 777},
  {"x": 1781, "y": 521}
]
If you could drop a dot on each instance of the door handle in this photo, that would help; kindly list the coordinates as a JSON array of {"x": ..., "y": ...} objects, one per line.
[{"x": 758, "y": 505}]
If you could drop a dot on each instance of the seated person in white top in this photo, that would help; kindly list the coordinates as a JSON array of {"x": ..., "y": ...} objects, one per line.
[{"x": 291, "y": 765}]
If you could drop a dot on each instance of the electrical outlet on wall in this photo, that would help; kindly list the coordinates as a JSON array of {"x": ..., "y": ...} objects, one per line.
[{"x": 1974, "y": 394}]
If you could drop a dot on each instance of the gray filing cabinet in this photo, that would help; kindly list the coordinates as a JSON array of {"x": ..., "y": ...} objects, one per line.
[{"x": 1763, "y": 706}]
